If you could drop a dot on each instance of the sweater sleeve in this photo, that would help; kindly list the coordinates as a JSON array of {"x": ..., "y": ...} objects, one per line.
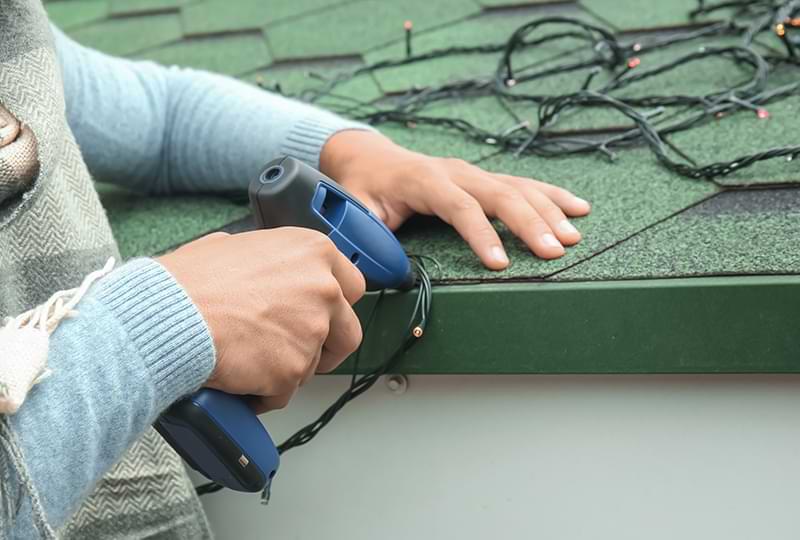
[
  {"x": 167, "y": 129},
  {"x": 137, "y": 344}
]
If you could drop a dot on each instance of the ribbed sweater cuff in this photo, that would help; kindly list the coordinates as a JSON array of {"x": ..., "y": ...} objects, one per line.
[
  {"x": 307, "y": 136},
  {"x": 163, "y": 324}
]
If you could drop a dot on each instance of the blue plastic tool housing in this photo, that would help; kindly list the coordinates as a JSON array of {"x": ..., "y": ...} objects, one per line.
[
  {"x": 290, "y": 193},
  {"x": 217, "y": 434}
]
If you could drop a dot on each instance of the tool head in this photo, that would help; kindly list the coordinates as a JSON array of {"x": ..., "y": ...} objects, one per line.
[{"x": 290, "y": 193}]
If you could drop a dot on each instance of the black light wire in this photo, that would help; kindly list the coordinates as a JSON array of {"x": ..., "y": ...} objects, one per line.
[
  {"x": 749, "y": 19},
  {"x": 413, "y": 331},
  {"x": 607, "y": 53}
]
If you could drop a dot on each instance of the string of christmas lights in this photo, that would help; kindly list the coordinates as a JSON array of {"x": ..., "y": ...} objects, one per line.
[{"x": 623, "y": 64}]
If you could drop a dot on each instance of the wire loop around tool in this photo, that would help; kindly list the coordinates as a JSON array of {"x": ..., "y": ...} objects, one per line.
[{"x": 359, "y": 384}]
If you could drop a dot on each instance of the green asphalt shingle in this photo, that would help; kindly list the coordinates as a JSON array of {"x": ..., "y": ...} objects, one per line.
[
  {"x": 492, "y": 28},
  {"x": 739, "y": 232},
  {"x": 295, "y": 78},
  {"x": 129, "y": 35},
  {"x": 282, "y": 42},
  {"x": 69, "y": 15},
  {"x": 636, "y": 14},
  {"x": 215, "y": 16},
  {"x": 744, "y": 133},
  {"x": 627, "y": 196},
  {"x": 146, "y": 225},
  {"x": 131, "y": 7},
  {"x": 356, "y": 27},
  {"x": 231, "y": 55}
]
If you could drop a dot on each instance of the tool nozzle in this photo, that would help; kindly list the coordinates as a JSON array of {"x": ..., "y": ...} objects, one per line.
[{"x": 409, "y": 282}]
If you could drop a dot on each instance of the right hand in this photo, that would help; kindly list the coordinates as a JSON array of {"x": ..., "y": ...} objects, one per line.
[{"x": 278, "y": 304}]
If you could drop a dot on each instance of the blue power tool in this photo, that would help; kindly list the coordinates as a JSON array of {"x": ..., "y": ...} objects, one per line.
[{"x": 216, "y": 433}]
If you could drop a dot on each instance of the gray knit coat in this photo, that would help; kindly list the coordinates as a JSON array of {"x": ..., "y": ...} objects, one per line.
[{"x": 53, "y": 231}]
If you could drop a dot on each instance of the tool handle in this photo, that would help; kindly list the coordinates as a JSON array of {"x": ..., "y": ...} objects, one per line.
[
  {"x": 218, "y": 434},
  {"x": 221, "y": 437}
]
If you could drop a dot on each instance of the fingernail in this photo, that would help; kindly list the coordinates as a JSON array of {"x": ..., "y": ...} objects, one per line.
[
  {"x": 499, "y": 255},
  {"x": 550, "y": 240},
  {"x": 583, "y": 202},
  {"x": 567, "y": 228}
]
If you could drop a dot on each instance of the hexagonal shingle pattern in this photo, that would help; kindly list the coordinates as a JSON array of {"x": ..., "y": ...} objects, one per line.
[
  {"x": 360, "y": 26},
  {"x": 231, "y": 55},
  {"x": 216, "y": 16},
  {"x": 282, "y": 42},
  {"x": 129, "y": 35}
]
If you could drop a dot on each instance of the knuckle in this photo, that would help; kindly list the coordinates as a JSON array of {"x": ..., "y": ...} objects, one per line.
[
  {"x": 318, "y": 330},
  {"x": 456, "y": 163},
  {"x": 484, "y": 230},
  {"x": 362, "y": 285},
  {"x": 330, "y": 291},
  {"x": 310, "y": 236},
  {"x": 465, "y": 205},
  {"x": 507, "y": 195},
  {"x": 296, "y": 372},
  {"x": 561, "y": 192},
  {"x": 533, "y": 221}
]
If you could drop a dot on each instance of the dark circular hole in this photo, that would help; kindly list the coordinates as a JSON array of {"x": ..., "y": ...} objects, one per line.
[
  {"x": 354, "y": 258},
  {"x": 273, "y": 173}
]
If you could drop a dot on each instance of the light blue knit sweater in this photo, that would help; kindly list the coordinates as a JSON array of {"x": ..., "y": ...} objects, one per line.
[{"x": 138, "y": 342}]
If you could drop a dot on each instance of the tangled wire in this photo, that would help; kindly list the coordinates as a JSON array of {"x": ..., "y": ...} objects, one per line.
[
  {"x": 603, "y": 51},
  {"x": 412, "y": 332}
]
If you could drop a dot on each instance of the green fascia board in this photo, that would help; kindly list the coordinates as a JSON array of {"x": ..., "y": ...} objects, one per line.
[{"x": 694, "y": 325}]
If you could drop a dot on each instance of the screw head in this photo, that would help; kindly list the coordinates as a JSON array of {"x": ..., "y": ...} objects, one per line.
[{"x": 397, "y": 384}]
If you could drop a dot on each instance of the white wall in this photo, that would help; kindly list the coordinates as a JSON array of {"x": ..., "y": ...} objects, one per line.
[{"x": 564, "y": 457}]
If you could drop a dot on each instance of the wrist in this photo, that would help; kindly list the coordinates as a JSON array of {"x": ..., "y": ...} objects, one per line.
[
  {"x": 344, "y": 149},
  {"x": 163, "y": 325}
]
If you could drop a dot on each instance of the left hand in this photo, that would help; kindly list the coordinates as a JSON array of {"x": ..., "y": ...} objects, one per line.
[{"x": 395, "y": 182}]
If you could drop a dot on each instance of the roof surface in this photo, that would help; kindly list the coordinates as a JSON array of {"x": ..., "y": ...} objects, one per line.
[{"x": 646, "y": 222}]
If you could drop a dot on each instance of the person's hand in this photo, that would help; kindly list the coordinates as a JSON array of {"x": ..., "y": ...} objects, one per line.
[
  {"x": 278, "y": 304},
  {"x": 395, "y": 182}
]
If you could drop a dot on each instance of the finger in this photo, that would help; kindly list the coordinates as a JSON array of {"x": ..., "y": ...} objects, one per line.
[
  {"x": 566, "y": 233},
  {"x": 464, "y": 213},
  {"x": 511, "y": 206},
  {"x": 350, "y": 278},
  {"x": 571, "y": 204},
  {"x": 262, "y": 404},
  {"x": 344, "y": 337}
]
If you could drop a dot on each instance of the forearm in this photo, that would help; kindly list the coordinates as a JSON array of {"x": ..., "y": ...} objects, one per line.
[
  {"x": 160, "y": 129},
  {"x": 137, "y": 344}
]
